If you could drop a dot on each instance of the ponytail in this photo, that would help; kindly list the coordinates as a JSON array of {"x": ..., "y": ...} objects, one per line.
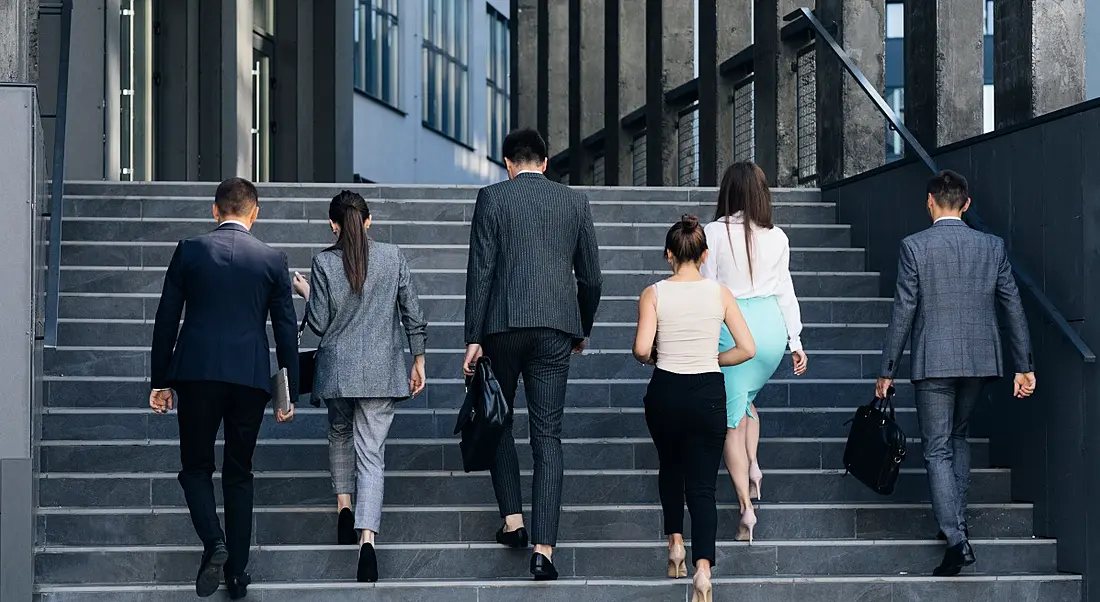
[{"x": 349, "y": 210}]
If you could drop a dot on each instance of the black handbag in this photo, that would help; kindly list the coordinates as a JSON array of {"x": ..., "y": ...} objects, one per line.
[
  {"x": 307, "y": 364},
  {"x": 483, "y": 417},
  {"x": 876, "y": 445}
]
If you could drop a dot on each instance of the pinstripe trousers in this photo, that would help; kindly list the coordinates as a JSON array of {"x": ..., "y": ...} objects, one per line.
[
  {"x": 358, "y": 428},
  {"x": 541, "y": 356}
]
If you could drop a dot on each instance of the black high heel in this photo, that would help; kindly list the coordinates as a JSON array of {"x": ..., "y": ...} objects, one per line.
[
  {"x": 345, "y": 528},
  {"x": 368, "y": 564}
]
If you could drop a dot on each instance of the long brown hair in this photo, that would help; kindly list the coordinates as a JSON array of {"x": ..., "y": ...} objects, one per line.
[
  {"x": 745, "y": 190},
  {"x": 349, "y": 210}
]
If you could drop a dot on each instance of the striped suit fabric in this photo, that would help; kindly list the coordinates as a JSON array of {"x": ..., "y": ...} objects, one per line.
[{"x": 532, "y": 288}]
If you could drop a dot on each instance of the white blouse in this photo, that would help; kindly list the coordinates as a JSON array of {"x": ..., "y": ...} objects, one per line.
[{"x": 771, "y": 268}]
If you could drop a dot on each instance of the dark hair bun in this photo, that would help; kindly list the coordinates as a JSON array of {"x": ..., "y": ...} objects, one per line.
[
  {"x": 689, "y": 223},
  {"x": 685, "y": 240}
]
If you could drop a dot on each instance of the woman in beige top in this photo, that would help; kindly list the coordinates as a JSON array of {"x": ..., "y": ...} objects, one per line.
[{"x": 685, "y": 404}]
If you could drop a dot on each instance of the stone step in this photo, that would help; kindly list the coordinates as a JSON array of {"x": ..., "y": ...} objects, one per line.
[
  {"x": 176, "y": 564},
  {"x": 316, "y": 525},
  {"x": 98, "y": 424},
  {"x": 906, "y": 588},
  {"x": 87, "y": 385},
  {"x": 438, "y": 256},
  {"x": 441, "y": 208},
  {"x": 137, "y": 306},
  {"x": 76, "y": 455},
  {"x": 428, "y": 488},
  {"x": 91, "y": 279},
  {"x": 318, "y": 230},
  {"x": 615, "y": 338}
]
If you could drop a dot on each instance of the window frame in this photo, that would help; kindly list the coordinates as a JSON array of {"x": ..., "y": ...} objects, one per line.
[
  {"x": 497, "y": 83},
  {"x": 376, "y": 23},
  {"x": 445, "y": 63}
]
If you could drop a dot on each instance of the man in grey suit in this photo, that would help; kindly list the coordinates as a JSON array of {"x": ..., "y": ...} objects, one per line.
[
  {"x": 532, "y": 287},
  {"x": 950, "y": 280}
]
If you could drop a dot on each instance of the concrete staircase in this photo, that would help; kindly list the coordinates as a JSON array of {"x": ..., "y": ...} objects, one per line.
[{"x": 113, "y": 526}]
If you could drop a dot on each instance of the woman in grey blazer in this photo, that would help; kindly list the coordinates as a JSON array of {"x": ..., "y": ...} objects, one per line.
[{"x": 364, "y": 308}]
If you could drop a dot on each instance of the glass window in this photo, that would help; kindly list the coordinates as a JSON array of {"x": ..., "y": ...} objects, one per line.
[
  {"x": 263, "y": 16},
  {"x": 376, "y": 49},
  {"x": 496, "y": 81},
  {"x": 895, "y": 20},
  {"x": 988, "y": 17},
  {"x": 136, "y": 90},
  {"x": 446, "y": 67}
]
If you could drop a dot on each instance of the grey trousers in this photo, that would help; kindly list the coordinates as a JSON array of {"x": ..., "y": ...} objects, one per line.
[
  {"x": 944, "y": 406},
  {"x": 358, "y": 428}
]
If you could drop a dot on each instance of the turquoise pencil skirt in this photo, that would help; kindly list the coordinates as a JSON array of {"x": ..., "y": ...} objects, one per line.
[{"x": 744, "y": 381}]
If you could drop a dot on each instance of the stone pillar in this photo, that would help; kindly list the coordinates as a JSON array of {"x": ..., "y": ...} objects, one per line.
[
  {"x": 944, "y": 70},
  {"x": 1038, "y": 57},
  {"x": 676, "y": 65},
  {"x": 177, "y": 153},
  {"x": 1092, "y": 48},
  {"x": 735, "y": 20},
  {"x": 524, "y": 28},
  {"x": 19, "y": 41},
  {"x": 557, "y": 134},
  {"x": 333, "y": 75},
  {"x": 776, "y": 93},
  {"x": 851, "y": 132},
  {"x": 225, "y": 89},
  {"x": 631, "y": 78},
  {"x": 591, "y": 79}
]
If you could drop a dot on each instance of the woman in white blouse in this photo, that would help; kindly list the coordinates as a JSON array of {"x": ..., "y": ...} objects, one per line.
[{"x": 751, "y": 256}]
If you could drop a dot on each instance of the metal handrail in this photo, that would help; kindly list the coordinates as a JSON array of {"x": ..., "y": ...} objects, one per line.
[
  {"x": 971, "y": 216},
  {"x": 57, "y": 182}
]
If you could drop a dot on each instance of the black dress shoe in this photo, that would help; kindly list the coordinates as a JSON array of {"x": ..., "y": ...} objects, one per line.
[
  {"x": 345, "y": 528},
  {"x": 966, "y": 533},
  {"x": 368, "y": 565},
  {"x": 210, "y": 570},
  {"x": 238, "y": 585},
  {"x": 542, "y": 568},
  {"x": 513, "y": 539},
  {"x": 955, "y": 559}
]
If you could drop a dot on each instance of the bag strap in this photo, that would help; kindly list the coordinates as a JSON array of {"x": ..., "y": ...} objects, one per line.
[{"x": 887, "y": 403}]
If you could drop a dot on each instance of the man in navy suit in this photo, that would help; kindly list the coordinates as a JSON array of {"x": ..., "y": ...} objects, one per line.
[{"x": 219, "y": 367}]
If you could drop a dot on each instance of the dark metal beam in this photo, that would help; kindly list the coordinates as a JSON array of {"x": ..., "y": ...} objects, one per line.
[
  {"x": 708, "y": 92},
  {"x": 576, "y": 151},
  {"x": 543, "y": 44},
  {"x": 654, "y": 92},
  {"x": 513, "y": 63},
  {"x": 611, "y": 130}
]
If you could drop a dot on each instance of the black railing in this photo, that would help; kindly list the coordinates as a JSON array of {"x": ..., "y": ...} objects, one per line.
[
  {"x": 57, "y": 181},
  {"x": 971, "y": 216}
]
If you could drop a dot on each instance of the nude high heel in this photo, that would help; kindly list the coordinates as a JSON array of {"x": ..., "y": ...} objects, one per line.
[
  {"x": 701, "y": 584},
  {"x": 677, "y": 564},
  {"x": 748, "y": 523},
  {"x": 755, "y": 476}
]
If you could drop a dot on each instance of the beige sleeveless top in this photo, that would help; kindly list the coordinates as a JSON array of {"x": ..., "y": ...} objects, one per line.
[{"x": 689, "y": 320}]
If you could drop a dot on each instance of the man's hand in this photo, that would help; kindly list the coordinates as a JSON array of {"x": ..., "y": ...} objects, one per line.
[
  {"x": 416, "y": 377},
  {"x": 799, "y": 360},
  {"x": 473, "y": 353},
  {"x": 300, "y": 285},
  {"x": 160, "y": 401},
  {"x": 1024, "y": 384},
  {"x": 281, "y": 416},
  {"x": 882, "y": 387},
  {"x": 579, "y": 347}
]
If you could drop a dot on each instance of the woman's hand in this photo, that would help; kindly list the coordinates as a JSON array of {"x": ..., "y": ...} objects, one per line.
[
  {"x": 799, "y": 360},
  {"x": 416, "y": 377},
  {"x": 300, "y": 286}
]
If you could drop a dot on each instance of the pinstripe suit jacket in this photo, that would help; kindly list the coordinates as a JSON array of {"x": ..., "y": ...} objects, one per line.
[
  {"x": 950, "y": 280},
  {"x": 534, "y": 262}
]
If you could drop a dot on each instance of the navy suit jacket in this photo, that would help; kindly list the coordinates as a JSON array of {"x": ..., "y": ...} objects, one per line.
[{"x": 229, "y": 282}]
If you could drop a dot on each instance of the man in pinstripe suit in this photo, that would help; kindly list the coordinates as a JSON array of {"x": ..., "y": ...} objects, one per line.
[
  {"x": 532, "y": 287},
  {"x": 950, "y": 280}
]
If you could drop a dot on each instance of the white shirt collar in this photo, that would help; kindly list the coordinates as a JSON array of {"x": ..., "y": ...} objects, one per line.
[
  {"x": 234, "y": 221},
  {"x": 938, "y": 220},
  {"x": 534, "y": 171}
]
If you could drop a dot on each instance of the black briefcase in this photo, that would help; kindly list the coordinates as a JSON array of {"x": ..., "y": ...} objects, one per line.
[
  {"x": 483, "y": 417},
  {"x": 876, "y": 445},
  {"x": 307, "y": 363}
]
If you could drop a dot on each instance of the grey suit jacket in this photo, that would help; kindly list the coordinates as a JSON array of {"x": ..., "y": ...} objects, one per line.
[
  {"x": 950, "y": 280},
  {"x": 362, "y": 348},
  {"x": 534, "y": 262}
]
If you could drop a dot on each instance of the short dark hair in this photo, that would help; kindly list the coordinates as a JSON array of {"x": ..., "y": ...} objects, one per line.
[
  {"x": 949, "y": 189},
  {"x": 524, "y": 146},
  {"x": 236, "y": 197},
  {"x": 686, "y": 240}
]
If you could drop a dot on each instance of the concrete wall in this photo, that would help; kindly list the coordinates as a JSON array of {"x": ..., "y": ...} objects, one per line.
[
  {"x": 1032, "y": 184},
  {"x": 393, "y": 147}
]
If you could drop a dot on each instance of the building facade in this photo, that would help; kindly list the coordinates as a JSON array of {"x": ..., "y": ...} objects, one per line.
[{"x": 392, "y": 91}]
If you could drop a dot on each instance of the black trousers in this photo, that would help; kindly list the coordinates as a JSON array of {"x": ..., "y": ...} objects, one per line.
[
  {"x": 541, "y": 355},
  {"x": 202, "y": 407},
  {"x": 686, "y": 415}
]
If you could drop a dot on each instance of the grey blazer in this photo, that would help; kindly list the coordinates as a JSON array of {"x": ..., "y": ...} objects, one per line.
[
  {"x": 950, "y": 280},
  {"x": 534, "y": 262},
  {"x": 362, "y": 348}
]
